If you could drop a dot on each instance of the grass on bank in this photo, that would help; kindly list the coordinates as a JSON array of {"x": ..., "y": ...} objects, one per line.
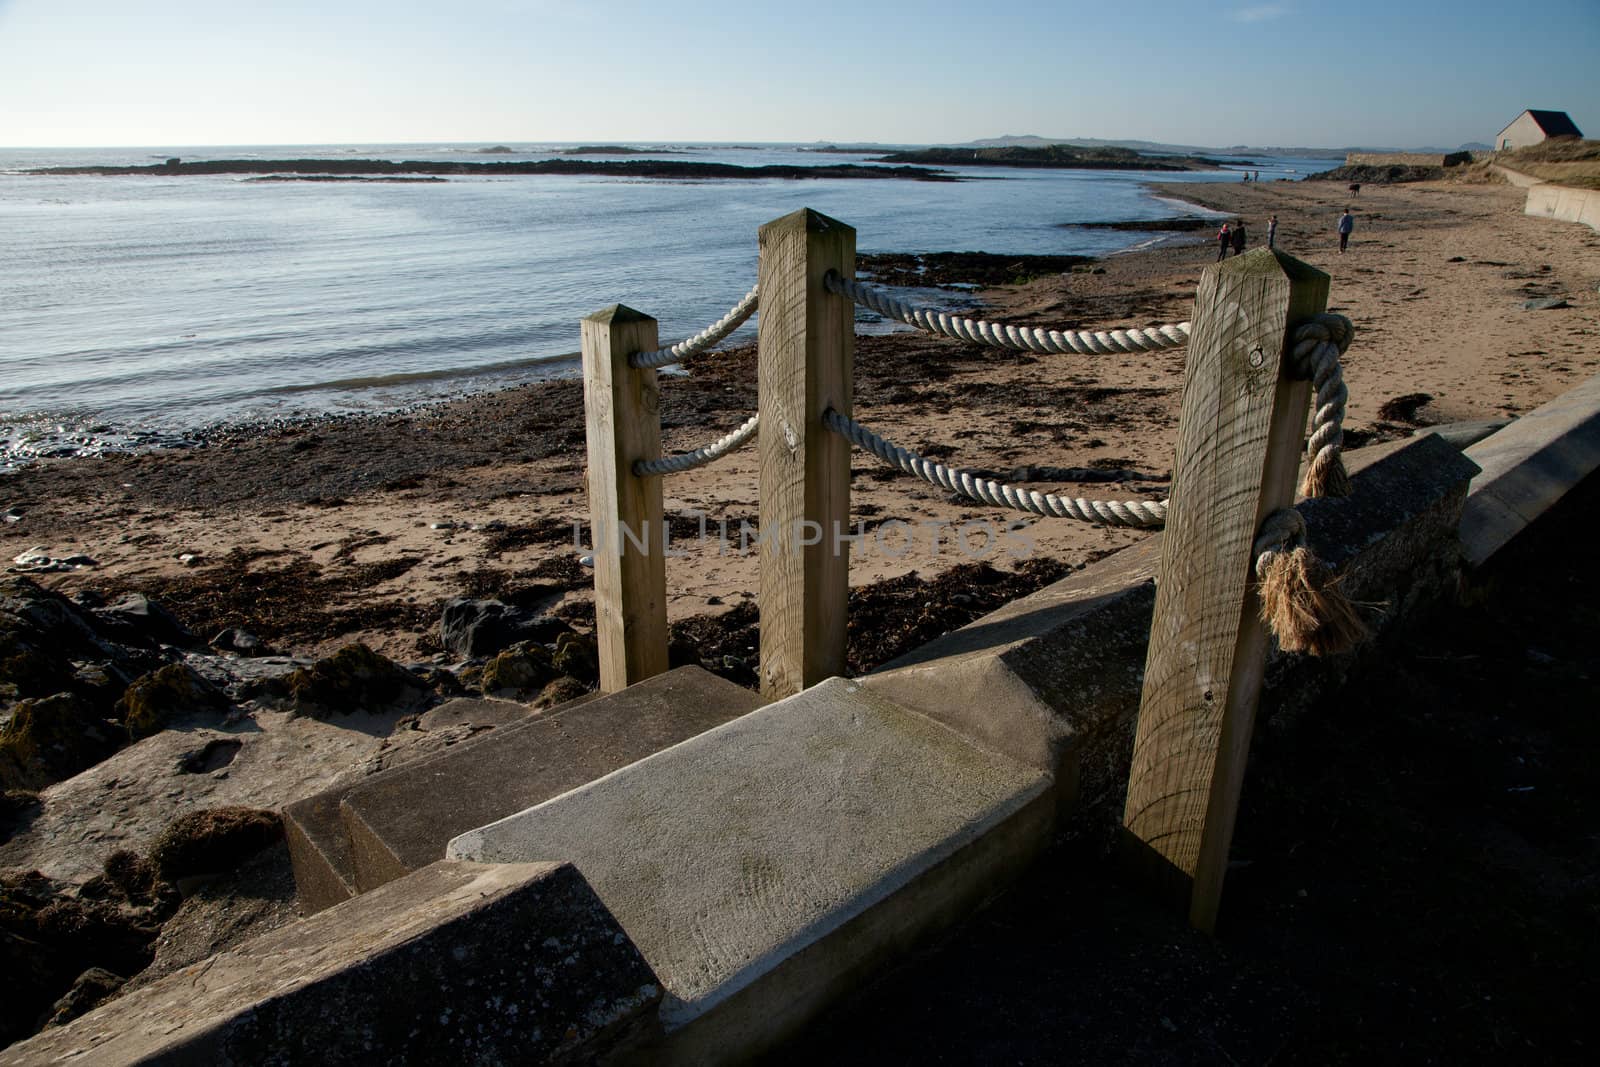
[{"x": 1564, "y": 160}]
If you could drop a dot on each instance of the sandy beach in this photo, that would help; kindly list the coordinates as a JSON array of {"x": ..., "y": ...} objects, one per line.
[{"x": 342, "y": 530}]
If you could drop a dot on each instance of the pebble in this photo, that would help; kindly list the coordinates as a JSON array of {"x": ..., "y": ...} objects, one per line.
[{"x": 586, "y": 561}]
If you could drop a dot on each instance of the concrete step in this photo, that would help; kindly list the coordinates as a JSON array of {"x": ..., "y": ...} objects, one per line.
[
  {"x": 356, "y": 838},
  {"x": 460, "y": 963},
  {"x": 767, "y": 866}
]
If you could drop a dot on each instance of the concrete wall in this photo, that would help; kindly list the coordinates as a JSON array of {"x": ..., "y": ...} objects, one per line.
[
  {"x": 1406, "y": 159},
  {"x": 1562, "y": 202}
]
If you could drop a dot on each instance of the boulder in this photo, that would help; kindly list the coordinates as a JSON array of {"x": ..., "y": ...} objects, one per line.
[
  {"x": 93, "y": 987},
  {"x": 477, "y": 628},
  {"x": 137, "y": 619},
  {"x": 160, "y": 697},
  {"x": 53, "y": 738},
  {"x": 354, "y": 678},
  {"x": 525, "y": 667},
  {"x": 577, "y": 656}
]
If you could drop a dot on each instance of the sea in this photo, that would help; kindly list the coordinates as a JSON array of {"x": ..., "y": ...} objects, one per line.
[{"x": 150, "y": 310}]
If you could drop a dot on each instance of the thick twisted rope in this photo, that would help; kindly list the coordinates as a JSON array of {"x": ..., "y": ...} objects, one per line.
[
  {"x": 687, "y": 461},
  {"x": 703, "y": 340},
  {"x": 988, "y": 491},
  {"x": 1001, "y": 335},
  {"x": 1318, "y": 345}
]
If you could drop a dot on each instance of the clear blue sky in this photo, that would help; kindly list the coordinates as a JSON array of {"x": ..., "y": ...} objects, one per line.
[{"x": 1286, "y": 72}]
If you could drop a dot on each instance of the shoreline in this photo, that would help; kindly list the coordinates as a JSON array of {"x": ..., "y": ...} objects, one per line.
[{"x": 481, "y": 488}]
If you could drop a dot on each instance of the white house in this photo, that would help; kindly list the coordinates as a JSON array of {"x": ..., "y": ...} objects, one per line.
[{"x": 1531, "y": 127}]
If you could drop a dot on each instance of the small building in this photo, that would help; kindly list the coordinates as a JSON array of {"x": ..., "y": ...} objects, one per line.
[{"x": 1531, "y": 127}]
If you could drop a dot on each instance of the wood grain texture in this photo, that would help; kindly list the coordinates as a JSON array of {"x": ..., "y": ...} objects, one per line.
[
  {"x": 1239, "y": 441},
  {"x": 807, "y": 342},
  {"x": 623, "y": 423}
]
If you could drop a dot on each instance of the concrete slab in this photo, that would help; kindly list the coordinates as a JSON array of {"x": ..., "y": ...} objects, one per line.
[
  {"x": 400, "y": 821},
  {"x": 1528, "y": 466},
  {"x": 766, "y": 866},
  {"x": 461, "y": 963},
  {"x": 319, "y": 845}
]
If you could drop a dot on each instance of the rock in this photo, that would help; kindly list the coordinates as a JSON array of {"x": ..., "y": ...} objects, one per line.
[
  {"x": 577, "y": 656},
  {"x": 354, "y": 678},
  {"x": 524, "y": 667},
  {"x": 93, "y": 933},
  {"x": 241, "y": 641},
  {"x": 138, "y": 614},
  {"x": 173, "y": 692},
  {"x": 476, "y": 628},
  {"x": 92, "y": 988},
  {"x": 1549, "y": 303},
  {"x": 53, "y": 738},
  {"x": 15, "y": 804},
  {"x": 212, "y": 841},
  {"x": 560, "y": 691}
]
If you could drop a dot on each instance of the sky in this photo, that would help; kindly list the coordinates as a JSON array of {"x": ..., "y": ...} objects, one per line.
[{"x": 1259, "y": 72}]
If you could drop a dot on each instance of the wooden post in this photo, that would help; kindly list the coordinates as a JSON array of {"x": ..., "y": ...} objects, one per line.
[
  {"x": 1240, "y": 436},
  {"x": 623, "y": 423},
  {"x": 807, "y": 340}
]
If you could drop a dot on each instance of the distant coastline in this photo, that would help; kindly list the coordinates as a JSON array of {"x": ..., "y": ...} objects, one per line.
[{"x": 643, "y": 168}]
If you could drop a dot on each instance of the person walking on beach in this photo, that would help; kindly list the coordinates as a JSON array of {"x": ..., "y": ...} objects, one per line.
[
  {"x": 1238, "y": 238},
  {"x": 1224, "y": 235},
  {"x": 1272, "y": 231},
  {"x": 1347, "y": 222}
]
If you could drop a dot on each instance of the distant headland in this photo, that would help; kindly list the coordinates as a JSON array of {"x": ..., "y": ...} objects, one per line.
[{"x": 1055, "y": 155}]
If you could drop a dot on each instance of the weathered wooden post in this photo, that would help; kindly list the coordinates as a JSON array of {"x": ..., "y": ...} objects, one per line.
[
  {"x": 1239, "y": 443},
  {"x": 807, "y": 341},
  {"x": 623, "y": 423}
]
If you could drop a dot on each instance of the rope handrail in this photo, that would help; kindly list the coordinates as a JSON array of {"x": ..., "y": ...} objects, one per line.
[
  {"x": 687, "y": 461},
  {"x": 1003, "y": 335},
  {"x": 703, "y": 340},
  {"x": 1137, "y": 513}
]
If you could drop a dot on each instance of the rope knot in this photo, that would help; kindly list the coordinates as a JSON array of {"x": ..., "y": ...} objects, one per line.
[{"x": 1301, "y": 602}]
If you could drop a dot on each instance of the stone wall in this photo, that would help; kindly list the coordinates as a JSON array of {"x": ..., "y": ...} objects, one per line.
[{"x": 1407, "y": 159}]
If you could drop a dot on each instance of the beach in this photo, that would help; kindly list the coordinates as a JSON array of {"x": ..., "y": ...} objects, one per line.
[{"x": 343, "y": 529}]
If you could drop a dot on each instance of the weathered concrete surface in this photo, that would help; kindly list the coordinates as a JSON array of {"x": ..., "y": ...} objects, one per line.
[
  {"x": 1565, "y": 203},
  {"x": 1464, "y": 434},
  {"x": 127, "y": 800},
  {"x": 361, "y": 835},
  {"x": 460, "y": 963},
  {"x": 768, "y": 865},
  {"x": 475, "y": 711},
  {"x": 1528, "y": 466},
  {"x": 1054, "y": 678}
]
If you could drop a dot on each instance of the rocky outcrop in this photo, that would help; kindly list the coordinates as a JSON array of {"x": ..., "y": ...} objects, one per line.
[
  {"x": 354, "y": 678},
  {"x": 476, "y": 628}
]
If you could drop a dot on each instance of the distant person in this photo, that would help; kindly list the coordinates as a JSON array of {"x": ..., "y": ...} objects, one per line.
[
  {"x": 1347, "y": 222},
  {"x": 1238, "y": 238},
  {"x": 1258, "y": 176},
  {"x": 1224, "y": 236},
  {"x": 1272, "y": 231},
  {"x": 1246, "y": 176}
]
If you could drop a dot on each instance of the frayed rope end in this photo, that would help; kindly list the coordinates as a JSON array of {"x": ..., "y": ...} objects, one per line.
[
  {"x": 1303, "y": 606},
  {"x": 1325, "y": 477}
]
